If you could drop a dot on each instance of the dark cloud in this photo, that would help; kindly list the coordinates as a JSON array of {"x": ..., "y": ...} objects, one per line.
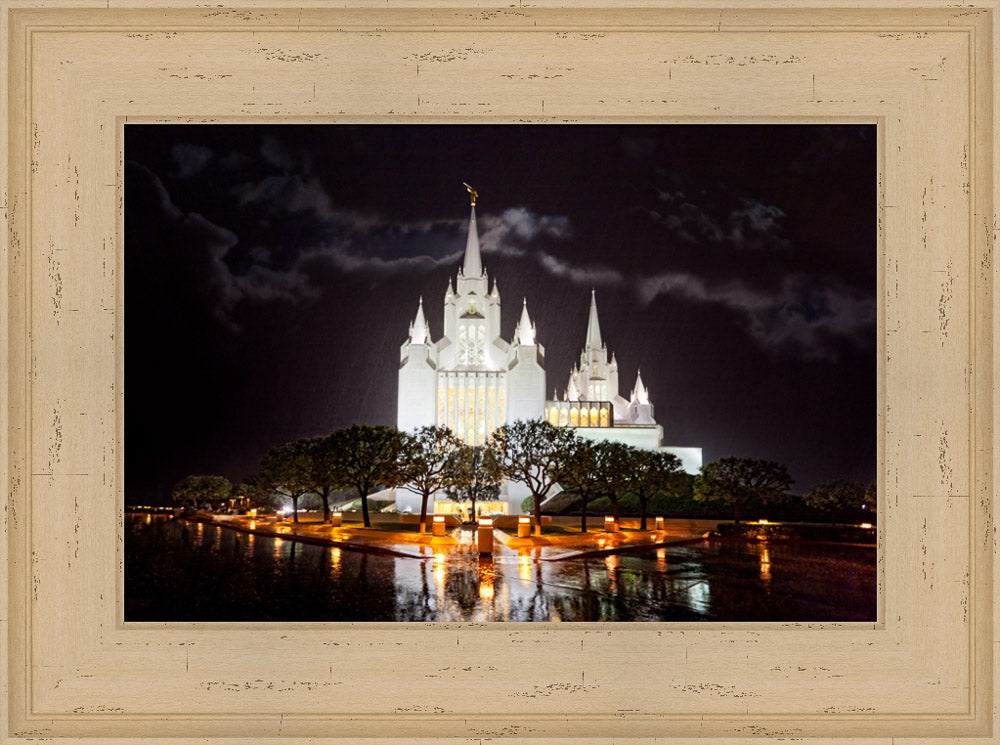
[
  {"x": 812, "y": 318},
  {"x": 189, "y": 160}
]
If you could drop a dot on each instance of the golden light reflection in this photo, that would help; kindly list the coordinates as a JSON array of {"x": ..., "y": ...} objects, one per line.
[
  {"x": 611, "y": 562},
  {"x": 524, "y": 567},
  {"x": 765, "y": 564},
  {"x": 277, "y": 547},
  {"x": 335, "y": 559},
  {"x": 439, "y": 569},
  {"x": 149, "y": 518},
  {"x": 253, "y": 524},
  {"x": 661, "y": 557},
  {"x": 250, "y": 541},
  {"x": 486, "y": 587}
]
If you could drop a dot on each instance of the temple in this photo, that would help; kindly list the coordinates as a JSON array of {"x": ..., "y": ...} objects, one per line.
[{"x": 474, "y": 381}]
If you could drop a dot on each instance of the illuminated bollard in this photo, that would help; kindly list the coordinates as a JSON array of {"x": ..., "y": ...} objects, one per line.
[
  {"x": 336, "y": 519},
  {"x": 484, "y": 536},
  {"x": 610, "y": 525},
  {"x": 439, "y": 526},
  {"x": 523, "y": 527},
  {"x": 660, "y": 524}
]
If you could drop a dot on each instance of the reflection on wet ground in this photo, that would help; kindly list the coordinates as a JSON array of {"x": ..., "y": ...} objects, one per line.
[{"x": 183, "y": 571}]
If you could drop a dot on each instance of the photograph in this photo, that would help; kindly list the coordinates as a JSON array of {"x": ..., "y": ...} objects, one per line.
[{"x": 500, "y": 373}]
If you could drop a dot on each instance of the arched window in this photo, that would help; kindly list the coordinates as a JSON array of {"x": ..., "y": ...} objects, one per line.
[
  {"x": 604, "y": 416},
  {"x": 594, "y": 417},
  {"x": 584, "y": 419},
  {"x": 574, "y": 417},
  {"x": 563, "y": 416},
  {"x": 554, "y": 416}
]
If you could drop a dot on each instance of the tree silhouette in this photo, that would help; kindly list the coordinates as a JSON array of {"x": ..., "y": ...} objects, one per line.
[
  {"x": 366, "y": 456},
  {"x": 473, "y": 474},
  {"x": 285, "y": 471},
  {"x": 424, "y": 462},
  {"x": 738, "y": 482},
  {"x": 532, "y": 453},
  {"x": 839, "y": 498},
  {"x": 651, "y": 473},
  {"x": 579, "y": 474},
  {"x": 195, "y": 490}
]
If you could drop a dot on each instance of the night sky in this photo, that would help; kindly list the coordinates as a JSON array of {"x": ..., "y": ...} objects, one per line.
[{"x": 271, "y": 273}]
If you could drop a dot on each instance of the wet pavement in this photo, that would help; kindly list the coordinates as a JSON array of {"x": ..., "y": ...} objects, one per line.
[{"x": 177, "y": 570}]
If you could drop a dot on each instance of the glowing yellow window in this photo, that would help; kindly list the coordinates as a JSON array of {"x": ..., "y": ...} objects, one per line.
[
  {"x": 584, "y": 419},
  {"x": 604, "y": 416},
  {"x": 574, "y": 417},
  {"x": 554, "y": 416},
  {"x": 593, "y": 416},
  {"x": 563, "y": 417}
]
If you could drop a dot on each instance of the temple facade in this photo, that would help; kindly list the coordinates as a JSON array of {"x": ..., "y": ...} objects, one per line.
[{"x": 473, "y": 381}]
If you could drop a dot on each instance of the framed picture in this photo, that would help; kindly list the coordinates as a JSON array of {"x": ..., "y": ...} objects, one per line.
[{"x": 922, "y": 79}]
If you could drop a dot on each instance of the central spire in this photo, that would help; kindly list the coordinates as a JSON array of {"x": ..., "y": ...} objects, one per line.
[
  {"x": 473, "y": 264},
  {"x": 593, "y": 325}
]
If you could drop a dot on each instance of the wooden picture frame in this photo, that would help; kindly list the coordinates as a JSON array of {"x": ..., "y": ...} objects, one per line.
[{"x": 75, "y": 72}]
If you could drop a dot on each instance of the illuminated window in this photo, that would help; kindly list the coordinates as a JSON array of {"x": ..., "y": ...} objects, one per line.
[
  {"x": 593, "y": 416},
  {"x": 554, "y": 416},
  {"x": 584, "y": 419},
  {"x": 492, "y": 403},
  {"x": 502, "y": 404},
  {"x": 460, "y": 414},
  {"x": 604, "y": 416},
  {"x": 442, "y": 406},
  {"x": 574, "y": 417},
  {"x": 563, "y": 417},
  {"x": 480, "y": 351}
]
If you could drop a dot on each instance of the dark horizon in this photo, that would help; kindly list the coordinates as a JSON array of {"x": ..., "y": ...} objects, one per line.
[{"x": 271, "y": 272}]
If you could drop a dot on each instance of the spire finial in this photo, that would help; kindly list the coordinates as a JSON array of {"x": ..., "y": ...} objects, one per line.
[
  {"x": 472, "y": 265},
  {"x": 473, "y": 194},
  {"x": 525, "y": 330},
  {"x": 593, "y": 325}
]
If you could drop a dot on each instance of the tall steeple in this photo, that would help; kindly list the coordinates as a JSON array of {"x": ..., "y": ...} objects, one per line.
[
  {"x": 473, "y": 264},
  {"x": 525, "y": 331},
  {"x": 639, "y": 392},
  {"x": 593, "y": 325},
  {"x": 419, "y": 330}
]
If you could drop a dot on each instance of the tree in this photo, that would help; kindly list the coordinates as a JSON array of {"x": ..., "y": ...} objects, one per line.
[
  {"x": 840, "y": 498},
  {"x": 321, "y": 457},
  {"x": 653, "y": 472},
  {"x": 195, "y": 490},
  {"x": 424, "y": 463},
  {"x": 366, "y": 456},
  {"x": 532, "y": 452},
  {"x": 614, "y": 467},
  {"x": 285, "y": 471},
  {"x": 740, "y": 481},
  {"x": 579, "y": 474},
  {"x": 473, "y": 474}
]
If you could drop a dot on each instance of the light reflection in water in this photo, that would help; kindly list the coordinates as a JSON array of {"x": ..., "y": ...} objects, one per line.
[
  {"x": 524, "y": 567},
  {"x": 765, "y": 564},
  {"x": 451, "y": 583},
  {"x": 440, "y": 573}
]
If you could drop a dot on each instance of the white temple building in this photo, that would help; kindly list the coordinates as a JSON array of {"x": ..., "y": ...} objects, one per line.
[{"x": 474, "y": 381}]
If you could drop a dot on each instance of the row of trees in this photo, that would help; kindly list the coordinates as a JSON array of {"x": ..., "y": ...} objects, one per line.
[{"x": 364, "y": 458}]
